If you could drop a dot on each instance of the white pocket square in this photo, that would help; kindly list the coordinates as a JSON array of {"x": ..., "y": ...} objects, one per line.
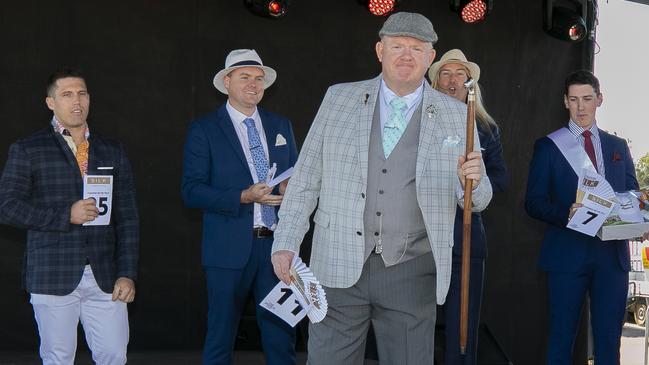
[
  {"x": 280, "y": 140},
  {"x": 104, "y": 167},
  {"x": 451, "y": 141}
]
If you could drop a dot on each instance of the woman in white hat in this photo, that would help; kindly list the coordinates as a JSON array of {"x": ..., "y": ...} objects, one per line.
[{"x": 448, "y": 76}]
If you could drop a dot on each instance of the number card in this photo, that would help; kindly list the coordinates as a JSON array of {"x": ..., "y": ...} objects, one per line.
[
  {"x": 100, "y": 188},
  {"x": 282, "y": 302},
  {"x": 589, "y": 218}
]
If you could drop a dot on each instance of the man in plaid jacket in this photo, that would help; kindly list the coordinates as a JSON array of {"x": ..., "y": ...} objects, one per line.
[{"x": 73, "y": 271}]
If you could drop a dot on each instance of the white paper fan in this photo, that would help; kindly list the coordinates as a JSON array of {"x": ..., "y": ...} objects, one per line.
[{"x": 309, "y": 290}]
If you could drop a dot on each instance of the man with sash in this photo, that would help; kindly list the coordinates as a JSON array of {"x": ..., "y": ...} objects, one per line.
[{"x": 576, "y": 263}]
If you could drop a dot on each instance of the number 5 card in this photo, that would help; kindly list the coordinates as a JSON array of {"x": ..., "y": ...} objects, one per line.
[
  {"x": 589, "y": 218},
  {"x": 100, "y": 188}
]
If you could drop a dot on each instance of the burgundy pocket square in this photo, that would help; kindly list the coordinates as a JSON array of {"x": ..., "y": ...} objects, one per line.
[{"x": 616, "y": 157}]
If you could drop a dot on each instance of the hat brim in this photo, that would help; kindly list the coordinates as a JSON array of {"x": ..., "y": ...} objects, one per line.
[
  {"x": 474, "y": 69},
  {"x": 270, "y": 76}
]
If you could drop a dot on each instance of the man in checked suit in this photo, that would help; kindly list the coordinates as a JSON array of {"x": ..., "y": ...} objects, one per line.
[
  {"x": 73, "y": 272},
  {"x": 577, "y": 264},
  {"x": 382, "y": 162},
  {"x": 226, "y": 164}
]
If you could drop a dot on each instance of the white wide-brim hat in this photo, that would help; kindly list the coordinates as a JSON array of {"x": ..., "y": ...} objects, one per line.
[
  {"x": 455, "y": 56},
  {"x": 243, "y": 58}
]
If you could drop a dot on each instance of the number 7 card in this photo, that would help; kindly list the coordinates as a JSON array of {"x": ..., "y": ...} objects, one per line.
[{"x": 589, "y": 218}]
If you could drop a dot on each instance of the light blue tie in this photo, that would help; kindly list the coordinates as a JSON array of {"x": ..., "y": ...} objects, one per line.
[
  {"x": 261, "y": 166},
  {"x": 393, "y": 129}
]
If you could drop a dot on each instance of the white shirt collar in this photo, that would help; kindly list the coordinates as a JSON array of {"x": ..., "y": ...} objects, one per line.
[
  {"x": 578, "y": 130},
  {"x": 410, "y": 99},
  {"x": 237, "y": 116}
]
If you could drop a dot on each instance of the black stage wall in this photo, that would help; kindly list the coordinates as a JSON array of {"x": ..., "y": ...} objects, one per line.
[{"x": 150, "y": 66}]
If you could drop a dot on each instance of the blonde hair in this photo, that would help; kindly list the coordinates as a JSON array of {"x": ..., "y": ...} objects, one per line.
[{"x": 481, "y": 114}]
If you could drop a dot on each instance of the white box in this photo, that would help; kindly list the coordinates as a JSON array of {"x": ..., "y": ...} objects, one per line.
[{"x": 623, "y": 231}]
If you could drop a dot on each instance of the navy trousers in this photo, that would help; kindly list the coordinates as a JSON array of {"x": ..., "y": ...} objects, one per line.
[
  {"x": 227, "y": 291},
  {"x": 603, "y": 279}
]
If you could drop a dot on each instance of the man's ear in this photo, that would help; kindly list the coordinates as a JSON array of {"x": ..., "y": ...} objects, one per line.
[
  {"x": 379, "y": 50},
  {"x": 50, "y": 102},
  {"x": 433, "y": 53}
]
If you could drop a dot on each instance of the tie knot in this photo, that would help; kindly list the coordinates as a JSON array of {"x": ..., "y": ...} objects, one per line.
[
  {"x": 249, "y": 122},
  {"x": 398, "y": 103},
  {"x": 586, "y": 134}
]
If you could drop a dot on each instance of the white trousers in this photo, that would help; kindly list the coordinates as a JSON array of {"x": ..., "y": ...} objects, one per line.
[{"x": 104, "y": 322}]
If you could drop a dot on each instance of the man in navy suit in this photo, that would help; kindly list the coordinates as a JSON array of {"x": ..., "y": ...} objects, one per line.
[
  {"x": 227, "y": 157},
  {"x": 73, "y": 272},
  {"x": 577, "y": 264}
]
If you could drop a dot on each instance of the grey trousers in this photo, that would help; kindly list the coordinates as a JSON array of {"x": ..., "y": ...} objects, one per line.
[{"x": 400, "y": 303}]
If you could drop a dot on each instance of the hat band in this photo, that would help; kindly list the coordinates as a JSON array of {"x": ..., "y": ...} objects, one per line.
[{"x": 246, "y": 63}]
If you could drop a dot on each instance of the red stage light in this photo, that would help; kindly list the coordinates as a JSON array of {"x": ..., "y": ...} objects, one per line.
[
  {"x": 274, "y": 8},
  {"x": 474, "y": 11},
  {"x": 576, "y": 32},
  {"x": 381, "y": 7}
]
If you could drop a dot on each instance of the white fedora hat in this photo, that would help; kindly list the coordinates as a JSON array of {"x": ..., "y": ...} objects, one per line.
[
  {"x": 455, "y": 56},
  {"x": 243, "y": 58}
]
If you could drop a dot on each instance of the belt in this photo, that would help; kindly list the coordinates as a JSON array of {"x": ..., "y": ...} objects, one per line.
[{"x": 261, "y": 232}]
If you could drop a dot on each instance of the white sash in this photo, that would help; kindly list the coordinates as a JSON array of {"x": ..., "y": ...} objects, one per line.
[
  {"x": 576, "y": 156},
  {"x": 572, "y": 151}
]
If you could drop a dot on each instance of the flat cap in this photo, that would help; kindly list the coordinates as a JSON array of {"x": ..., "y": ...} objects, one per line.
[{"x": 409, "y": 25}]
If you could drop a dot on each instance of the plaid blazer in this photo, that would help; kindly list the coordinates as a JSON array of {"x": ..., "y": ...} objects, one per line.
[
  {"x": 331, "y": 173},
  {"x": 40, "y": 182}
]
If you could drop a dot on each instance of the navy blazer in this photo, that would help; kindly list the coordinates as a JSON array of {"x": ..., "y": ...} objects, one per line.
[
  {"x": 551, "y": 189},
  {"x": 40, "y": 182},
  {"x": 492, "y": 155},
  {"x": 215, "y": 171}
]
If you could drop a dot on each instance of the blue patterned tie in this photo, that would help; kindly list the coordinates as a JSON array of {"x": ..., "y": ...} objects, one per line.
[
  {"x": 261, "y": 166},
  {"x": 393, "y": 129}
]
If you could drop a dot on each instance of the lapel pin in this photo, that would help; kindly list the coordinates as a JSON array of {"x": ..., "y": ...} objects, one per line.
[{"x": 430, "y": 110}]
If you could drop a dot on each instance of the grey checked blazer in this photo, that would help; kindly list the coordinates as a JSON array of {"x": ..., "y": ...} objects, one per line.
[{"x": 331, "y": 173}]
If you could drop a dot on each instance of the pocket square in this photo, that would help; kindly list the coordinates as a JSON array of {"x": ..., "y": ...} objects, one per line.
[
  {"x": 451, "y": 141},
  {"x": 104, "y": 167},
  {"x": 280, "y": 140}
]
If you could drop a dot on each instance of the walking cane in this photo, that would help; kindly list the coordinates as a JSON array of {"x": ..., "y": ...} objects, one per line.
[{"x": 466, "y": 226}]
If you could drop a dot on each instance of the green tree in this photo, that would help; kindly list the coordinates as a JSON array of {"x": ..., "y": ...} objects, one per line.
[{"x": 642, "y": 171}]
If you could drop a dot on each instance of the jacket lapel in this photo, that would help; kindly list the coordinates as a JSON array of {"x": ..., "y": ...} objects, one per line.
[
  {"x": 69, "y": 157},
  {"x": 607, "y": 152},
  {"x": 270, "y": 130},
  {"x": 65, "y": 149},
  {"x": 225, "y": 123},
  {"x": 367, "y": 106},
  {"x": 429, "y": 128}
]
